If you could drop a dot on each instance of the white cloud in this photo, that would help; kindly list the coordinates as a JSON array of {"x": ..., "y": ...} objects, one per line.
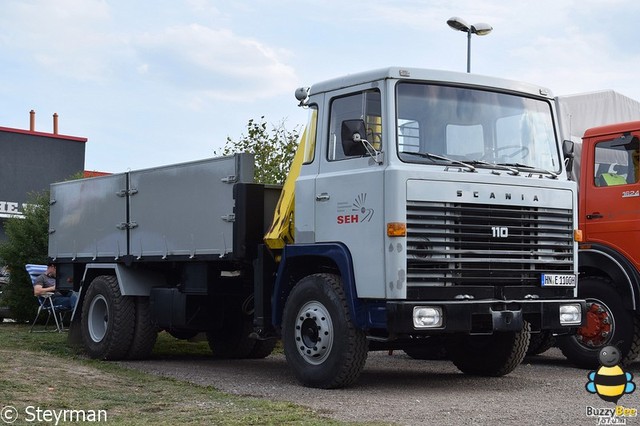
[
  {"x": 215, "y": 63},
  {"x": 65, "y": 37}
]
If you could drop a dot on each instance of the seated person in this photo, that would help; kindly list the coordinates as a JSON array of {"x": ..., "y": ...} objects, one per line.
[{"x": 46, "y": 283}]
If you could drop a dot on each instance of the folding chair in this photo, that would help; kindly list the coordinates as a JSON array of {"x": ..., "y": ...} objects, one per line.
[{"x": 46, "y": 301}]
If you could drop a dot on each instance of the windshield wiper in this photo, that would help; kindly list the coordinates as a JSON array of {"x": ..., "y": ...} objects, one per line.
[
  {"x": 531, "y": 169},
  {"x": 511, "y": 170},
  {"x": 431, "y": 156}
]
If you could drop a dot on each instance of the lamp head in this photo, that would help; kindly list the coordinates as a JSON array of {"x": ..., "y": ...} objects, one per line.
[
  {"x": 458, "y": 24},
  {"x": 481, "y": 28}
]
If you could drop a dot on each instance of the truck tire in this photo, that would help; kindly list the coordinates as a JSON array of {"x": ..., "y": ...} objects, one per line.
[
  {"x": 145, "y": 333},
  {"x": 181, "y": 334},
  {"x": 232, "y": 341},
  {"x": 262, "y": 348},
  {"x": 541, "y": 342},
  {"x": 433, "y": 349},
  {"x": 494, "y": 355},
  {"x": 322, "y": 346},
  {"x": 107, "y": 319},
  {"x": 608, "y": 323}
]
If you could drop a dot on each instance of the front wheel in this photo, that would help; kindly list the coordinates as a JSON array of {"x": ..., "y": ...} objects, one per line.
[
  {"x": 608, "y": 322},
  {"x": 494, "y": 355},
  {"x": 322, "y": 345}
]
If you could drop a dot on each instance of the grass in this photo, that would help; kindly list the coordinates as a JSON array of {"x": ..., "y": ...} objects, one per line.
[{"x": 42, "y": 370}]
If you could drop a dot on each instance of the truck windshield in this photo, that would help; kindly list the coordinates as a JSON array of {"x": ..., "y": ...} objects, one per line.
[{"x": 478, "y": 127}]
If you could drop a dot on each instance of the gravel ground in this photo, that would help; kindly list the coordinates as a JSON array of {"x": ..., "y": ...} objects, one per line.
[{"x": 397, "y": 389}]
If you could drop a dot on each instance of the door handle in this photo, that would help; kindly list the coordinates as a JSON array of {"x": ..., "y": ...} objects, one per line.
[
  {"x": 595, "y": 215},
  {"x": 322, "y": 197}
]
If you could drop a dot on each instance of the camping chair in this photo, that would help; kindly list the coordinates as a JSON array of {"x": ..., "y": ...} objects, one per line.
[{"x": 46, "y": 301}]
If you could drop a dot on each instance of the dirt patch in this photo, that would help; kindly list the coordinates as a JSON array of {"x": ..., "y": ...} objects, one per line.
[{"x": 543, "y": 390}]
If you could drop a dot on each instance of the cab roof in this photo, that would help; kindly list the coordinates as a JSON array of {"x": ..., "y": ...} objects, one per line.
[{"x": 429, "y": 75}]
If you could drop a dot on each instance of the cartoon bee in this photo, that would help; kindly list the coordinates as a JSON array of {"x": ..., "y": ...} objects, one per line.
[{"x": 610, "y": 382}]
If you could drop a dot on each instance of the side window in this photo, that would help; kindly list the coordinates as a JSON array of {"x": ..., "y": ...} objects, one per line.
[
  {"x": 616, "y": 162},
  {"x": 351, "y": 113},
  {"x": 310, "y": 135}
]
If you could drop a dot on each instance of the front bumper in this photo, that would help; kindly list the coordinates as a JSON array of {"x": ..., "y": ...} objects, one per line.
[{"x": 483, "y": 316}]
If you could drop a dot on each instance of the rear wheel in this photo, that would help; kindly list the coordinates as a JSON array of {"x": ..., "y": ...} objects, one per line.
[
  {"x": 108, "y": 319},
  {"x": 262, "y": 348},
  {"x": 608, "y": 322},
  {"x": 494, "y": 355},
  {"x": 541, "y": 342},
  {"x": 182, "y": 334},
  {"x": 432, "y": 348},
  {"x": 232, "y": 339},
  {"x": 145, "y": 332},
  {"x": 321, "y": 343}
]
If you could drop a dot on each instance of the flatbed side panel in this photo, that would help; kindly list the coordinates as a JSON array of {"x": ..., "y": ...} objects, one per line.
[
  {"x": 186, "y": 209},
  {"x": 86, "y": 218}
]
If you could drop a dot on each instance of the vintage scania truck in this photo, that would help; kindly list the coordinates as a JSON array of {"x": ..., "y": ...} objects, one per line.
[{"x": 423, "y": 208}]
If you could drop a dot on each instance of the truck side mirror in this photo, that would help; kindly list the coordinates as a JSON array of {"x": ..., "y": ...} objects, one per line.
[
  {"x": 353, "y": 132},
  {"x": 567, "y": 150}
]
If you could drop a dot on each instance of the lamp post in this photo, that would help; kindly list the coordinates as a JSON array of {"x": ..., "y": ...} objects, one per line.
[{"x": 480, "y": 29}]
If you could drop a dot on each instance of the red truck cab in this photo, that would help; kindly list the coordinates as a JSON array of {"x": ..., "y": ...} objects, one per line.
[
  {"x": 609, "y": 202},
  {"x": 609, "y": 255}
]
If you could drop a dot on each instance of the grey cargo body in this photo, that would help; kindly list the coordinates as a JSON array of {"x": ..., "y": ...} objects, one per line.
[{"x": 177, "y": 210}]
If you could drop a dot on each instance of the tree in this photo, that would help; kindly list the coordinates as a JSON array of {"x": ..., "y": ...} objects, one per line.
[
  {"x": 27, "y": 243},
  {"x": 273, "y": 151}
]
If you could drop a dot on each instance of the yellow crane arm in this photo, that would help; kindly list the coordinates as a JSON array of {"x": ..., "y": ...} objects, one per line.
[{"x": 281, "y": 231}]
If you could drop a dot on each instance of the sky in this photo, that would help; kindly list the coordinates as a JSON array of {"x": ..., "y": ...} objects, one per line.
[{"x": 158, "y": 82}]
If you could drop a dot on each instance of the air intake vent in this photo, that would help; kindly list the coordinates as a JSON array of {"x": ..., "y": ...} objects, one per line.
[{"x": 474, "y": 244}]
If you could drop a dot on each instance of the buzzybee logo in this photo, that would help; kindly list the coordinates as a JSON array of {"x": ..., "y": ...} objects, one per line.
[{"x": 610, "y": 382}]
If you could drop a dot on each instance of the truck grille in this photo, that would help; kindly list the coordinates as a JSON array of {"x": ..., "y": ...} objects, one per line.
[{"x": 476, "y": 244}]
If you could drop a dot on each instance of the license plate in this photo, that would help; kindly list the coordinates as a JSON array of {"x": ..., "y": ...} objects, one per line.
[{"x": 557, "y": 280}]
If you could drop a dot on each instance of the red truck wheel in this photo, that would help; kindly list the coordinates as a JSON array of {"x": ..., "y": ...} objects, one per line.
[{"x": 608, "y": 323}]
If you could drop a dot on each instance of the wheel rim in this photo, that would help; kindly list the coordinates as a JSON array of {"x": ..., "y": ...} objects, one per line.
[
  {"x": 600, "y": 325},
  {"x": 98, "y": 320},
  {"x": 314, "y": 333}
]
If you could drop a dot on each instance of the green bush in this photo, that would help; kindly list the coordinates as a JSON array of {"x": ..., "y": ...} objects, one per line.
[
  {"x": 273, "y": 150},
  {"x": 27, "y": 242}
]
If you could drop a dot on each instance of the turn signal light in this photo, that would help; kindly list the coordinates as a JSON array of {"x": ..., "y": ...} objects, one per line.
[
  {"x": 396, "y": 229},
  {"x": 577, "y": 235}
]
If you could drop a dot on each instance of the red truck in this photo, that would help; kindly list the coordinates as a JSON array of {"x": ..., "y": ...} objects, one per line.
[{"x": 609, "y": 254}]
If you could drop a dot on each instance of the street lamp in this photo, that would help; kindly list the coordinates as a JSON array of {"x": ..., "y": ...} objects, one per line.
[{"x": 480, "y": 28}]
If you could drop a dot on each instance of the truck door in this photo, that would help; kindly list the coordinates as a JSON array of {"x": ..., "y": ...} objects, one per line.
[
  {"x": 612, "y": 202},
  {"x": 349, "y": 187}
]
